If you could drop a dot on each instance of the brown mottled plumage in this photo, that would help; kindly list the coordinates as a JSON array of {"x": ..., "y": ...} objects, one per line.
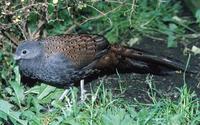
[
  {"x": 63, "y": 60},
  {"x": 80, "y": 49}
]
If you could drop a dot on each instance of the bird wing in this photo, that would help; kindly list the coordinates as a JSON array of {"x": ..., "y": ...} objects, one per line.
[{"x": 82, "y": 49}]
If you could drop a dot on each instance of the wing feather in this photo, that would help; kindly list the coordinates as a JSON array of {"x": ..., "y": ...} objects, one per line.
[{"x": 82, "y": 49}]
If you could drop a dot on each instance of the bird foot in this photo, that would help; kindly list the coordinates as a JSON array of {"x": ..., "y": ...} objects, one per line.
[
  {"x": 83, "y": 93},
  {"x": 64, "y": 94}
]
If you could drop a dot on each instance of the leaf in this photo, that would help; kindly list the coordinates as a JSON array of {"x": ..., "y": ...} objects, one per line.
[
  {"x": 17, "y": 75},
  {"x": 58, "y": 121},
  {"x": 18, "y": 89},
  {"x": 5, "y": 108},
  {"x": 197, "y": 15},
  {"x": 172, "y": 27},
  {"x": 133, "y": 41},
  {"x": 171, "y": 35},
  {"x": 34, "y": 89},
  {"x": 117, "y": 116},
  {"x": 3, "y": 116},
  {"x": 33, "y": 20},
  {"x": 32, "y": 118},
  {"x": 1, "y": 56},
  {"x": 195, "y": 50},
  {"x": 47, "y": 90},
  {"x": 171, "y": 41},
  {"x": 112, "y": 36},
  {"x": 45, "y": 93}
]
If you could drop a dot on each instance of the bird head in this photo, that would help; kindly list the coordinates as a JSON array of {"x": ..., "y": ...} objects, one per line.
[{"x": 28, "y": 50}]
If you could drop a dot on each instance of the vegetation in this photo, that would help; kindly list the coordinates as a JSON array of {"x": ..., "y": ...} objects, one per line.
[{"x": 125, "y": 21}]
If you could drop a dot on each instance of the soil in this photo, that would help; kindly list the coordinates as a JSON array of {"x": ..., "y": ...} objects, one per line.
[{"x": 135, "y": 87}]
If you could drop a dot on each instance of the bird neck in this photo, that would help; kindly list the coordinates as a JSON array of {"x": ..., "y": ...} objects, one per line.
[{"x": 31, "y": 67}]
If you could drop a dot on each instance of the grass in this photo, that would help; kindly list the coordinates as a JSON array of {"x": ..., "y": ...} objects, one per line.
[
  {"x": 127, "y": 21},
  {"x": 40, "y": 105}
]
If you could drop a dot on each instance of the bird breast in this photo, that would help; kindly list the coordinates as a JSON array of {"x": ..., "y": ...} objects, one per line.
[{"x": 53, "y": 70}]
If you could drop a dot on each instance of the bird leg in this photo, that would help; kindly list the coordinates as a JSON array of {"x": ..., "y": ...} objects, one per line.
[
  {"x": 83, "y": 91},
  {"x": 64, "y": 94}
]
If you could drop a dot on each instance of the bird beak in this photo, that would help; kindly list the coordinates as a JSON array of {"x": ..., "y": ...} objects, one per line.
[{"x": 16, "y": 57}]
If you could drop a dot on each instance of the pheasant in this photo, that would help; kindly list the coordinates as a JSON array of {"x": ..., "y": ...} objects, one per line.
[{"x": 63, "y": 60}]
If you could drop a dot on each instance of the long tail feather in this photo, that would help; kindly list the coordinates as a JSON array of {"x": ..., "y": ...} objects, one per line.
[{"x": 147, "y": 62}]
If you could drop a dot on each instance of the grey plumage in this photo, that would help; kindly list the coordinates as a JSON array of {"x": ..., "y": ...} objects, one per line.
[
  {"x": 52, "y": 60},
  {"x": 35, "y": 64}
]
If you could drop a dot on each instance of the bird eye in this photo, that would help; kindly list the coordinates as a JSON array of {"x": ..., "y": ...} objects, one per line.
[{"x": 24, "y": 52}]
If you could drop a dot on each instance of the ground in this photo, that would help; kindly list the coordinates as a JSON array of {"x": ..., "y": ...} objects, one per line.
[{"x": 135, "y": 85}]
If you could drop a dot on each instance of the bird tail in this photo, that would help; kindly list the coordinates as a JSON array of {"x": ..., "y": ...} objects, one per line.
[{"x": 134, "y": 60}]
